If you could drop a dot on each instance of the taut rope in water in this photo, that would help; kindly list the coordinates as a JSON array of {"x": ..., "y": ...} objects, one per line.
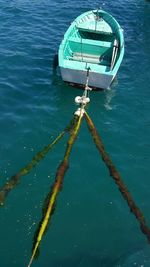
[
  {"x": 56, "y": 187},
  {"x": 117, "y": 177},
  {"x": 15, "y": 179},
  {"x": 50, "y": 201}
]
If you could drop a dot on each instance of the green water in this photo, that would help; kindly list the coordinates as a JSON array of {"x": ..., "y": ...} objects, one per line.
[{"x": 92, "y": 225}]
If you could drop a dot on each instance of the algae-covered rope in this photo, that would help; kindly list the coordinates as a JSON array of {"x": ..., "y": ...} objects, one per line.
[
  {"x": 117, "y": 178},
  {"x": 56, "y": 187},
  {"x": 15, "y": 179}
]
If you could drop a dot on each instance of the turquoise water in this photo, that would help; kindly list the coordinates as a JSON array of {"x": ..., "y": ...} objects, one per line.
[{"x": 92, "y": 225}]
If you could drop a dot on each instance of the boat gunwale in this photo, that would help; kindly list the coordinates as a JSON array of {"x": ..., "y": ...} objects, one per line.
[{"x": 116, "y": 30}]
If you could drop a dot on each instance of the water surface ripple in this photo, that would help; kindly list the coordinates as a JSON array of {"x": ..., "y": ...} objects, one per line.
[{"x": 92, "y": 225}]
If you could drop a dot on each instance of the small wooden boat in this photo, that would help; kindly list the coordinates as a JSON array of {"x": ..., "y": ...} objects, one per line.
[{"x": 93, "y": 43}]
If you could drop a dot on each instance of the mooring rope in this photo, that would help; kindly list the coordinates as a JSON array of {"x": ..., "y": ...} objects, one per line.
[
  {"x": 15, "y": 179},
  {"x": 55, "y": 189},
  {"x": 117, "y": 178},
  {"x": 50, "y": 201}
]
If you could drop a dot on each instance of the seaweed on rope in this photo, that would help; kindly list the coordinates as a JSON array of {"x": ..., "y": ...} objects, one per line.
[
  {"x": 117, "y": 178},
  {"x": 15, "y": 179},
  {"x": 48, "y": 209},
  {"x": 50, "y": 201}
]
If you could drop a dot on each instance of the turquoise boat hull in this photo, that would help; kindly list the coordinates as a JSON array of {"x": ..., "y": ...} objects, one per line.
[{"x": 94, "y": 44}]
